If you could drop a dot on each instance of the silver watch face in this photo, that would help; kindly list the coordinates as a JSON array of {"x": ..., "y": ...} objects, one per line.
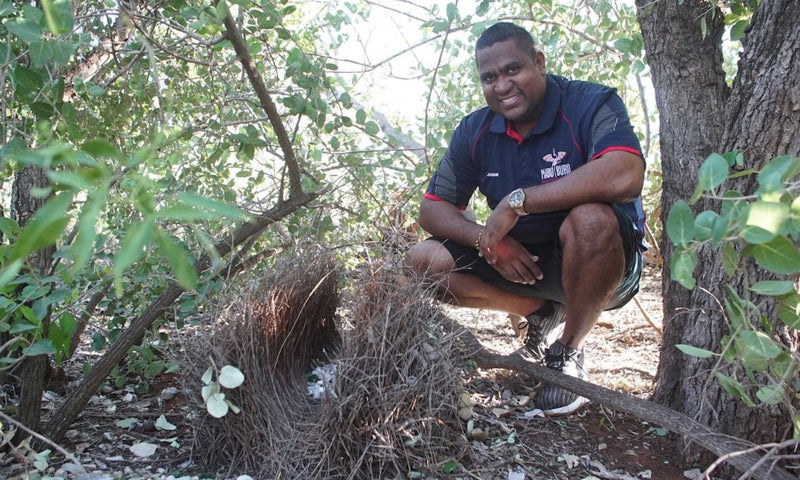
[{"x": 516, "y": 199}]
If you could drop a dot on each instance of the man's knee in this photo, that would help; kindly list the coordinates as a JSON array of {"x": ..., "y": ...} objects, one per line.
[
  {"x": 591, "y": 224},
  {"x": 429, "y": 258}
]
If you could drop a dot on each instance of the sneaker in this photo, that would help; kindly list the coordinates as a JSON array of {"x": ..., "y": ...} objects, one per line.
[
  {"x": 553, "y": 400},
  {"x": 544, "y": 326}
]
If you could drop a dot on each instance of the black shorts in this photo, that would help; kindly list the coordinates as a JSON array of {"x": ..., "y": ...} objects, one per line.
[{"x": 550, "y": 258}]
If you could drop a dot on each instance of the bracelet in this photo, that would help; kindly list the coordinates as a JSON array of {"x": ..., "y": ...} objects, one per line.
[{"x": 478, "y": 240}]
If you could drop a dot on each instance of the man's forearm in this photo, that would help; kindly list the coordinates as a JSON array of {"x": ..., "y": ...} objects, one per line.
[{"x": 444, "y": 219}]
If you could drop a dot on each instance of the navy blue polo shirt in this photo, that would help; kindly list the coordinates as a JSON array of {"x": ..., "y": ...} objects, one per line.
[{"x": 580, "y": 121}]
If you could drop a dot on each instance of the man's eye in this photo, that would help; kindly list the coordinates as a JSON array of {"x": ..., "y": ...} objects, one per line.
[{"x": 513, "y": 69}]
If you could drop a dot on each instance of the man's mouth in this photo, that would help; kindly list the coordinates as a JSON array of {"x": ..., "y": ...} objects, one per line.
[{"x": 506, "y": 101}]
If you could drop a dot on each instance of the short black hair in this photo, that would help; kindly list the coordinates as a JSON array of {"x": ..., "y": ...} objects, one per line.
[{"x": 502, "y": 31}]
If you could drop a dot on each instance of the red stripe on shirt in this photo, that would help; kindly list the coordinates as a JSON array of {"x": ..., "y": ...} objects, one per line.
[
  {"x": 617, "y": 148},
  {"x": 433, "y": 197}
]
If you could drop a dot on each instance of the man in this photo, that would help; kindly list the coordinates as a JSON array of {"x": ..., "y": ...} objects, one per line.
[{"x": 562, "y": 170}]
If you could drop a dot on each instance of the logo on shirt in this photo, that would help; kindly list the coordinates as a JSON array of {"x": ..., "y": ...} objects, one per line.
[
  {"x": 493, "y": 174},
  {"x": 556, "y": 169}
]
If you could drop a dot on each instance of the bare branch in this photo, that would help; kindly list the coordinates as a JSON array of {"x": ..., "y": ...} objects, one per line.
[{"x": 242, "y": 50}]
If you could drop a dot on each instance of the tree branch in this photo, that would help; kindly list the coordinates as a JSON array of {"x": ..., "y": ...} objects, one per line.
[
  {"x": 717, "y": 443},
  {"x": 243, "y": 52}
]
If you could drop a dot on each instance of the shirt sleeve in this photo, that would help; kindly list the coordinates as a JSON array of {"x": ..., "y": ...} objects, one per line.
[
  {"x": 611, "y": 129},
  {"x": 456, "y": 177}
]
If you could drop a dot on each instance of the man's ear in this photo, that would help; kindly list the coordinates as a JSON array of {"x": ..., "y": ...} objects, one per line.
[{"x": 540, "y": 61}]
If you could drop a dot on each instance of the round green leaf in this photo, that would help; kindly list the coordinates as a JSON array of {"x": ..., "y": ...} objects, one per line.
[
  {"x": 230, "y": 377},
  {"x": 216, "y": 405},
  {"x": 42, "y": 347},
  {"x": 713, "y": 172},
  {"x": 778, "y": 256},
  {"x": 704, "y": 225},
  {"x": 759, "y": 345}
]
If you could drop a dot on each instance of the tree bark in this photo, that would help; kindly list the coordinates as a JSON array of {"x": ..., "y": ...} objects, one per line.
[
  {"x": 33, "y": 370},
  {"x": 759, "y": 116}
]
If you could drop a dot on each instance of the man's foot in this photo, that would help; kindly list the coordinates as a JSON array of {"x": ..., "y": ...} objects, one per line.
[
  {"x": 553, "y": 400},
  {"x": 544, "y": 327}
]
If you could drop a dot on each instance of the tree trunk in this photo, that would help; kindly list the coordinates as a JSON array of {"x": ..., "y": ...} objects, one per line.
[
  {"x": 760, "y": 117},
  {"x": 33, "y": 370}
]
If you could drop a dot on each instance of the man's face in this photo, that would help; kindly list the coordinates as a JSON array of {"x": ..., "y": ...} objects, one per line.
[{"x": 513, "y": 83}]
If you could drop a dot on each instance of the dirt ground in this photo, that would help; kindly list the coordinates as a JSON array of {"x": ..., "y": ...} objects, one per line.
[{"x": 594, "y": 443}]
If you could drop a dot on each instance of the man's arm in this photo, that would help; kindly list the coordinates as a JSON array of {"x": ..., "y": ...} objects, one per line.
[
  {"x": 615, "y": 177},
  {"x": 444, "y": 219}
]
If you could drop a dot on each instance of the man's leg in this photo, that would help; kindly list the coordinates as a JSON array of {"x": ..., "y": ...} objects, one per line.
[
  {"x": 593, "y": 263},
  {"x": 433, "y": 261},
  {"x": 592, "y": 267}
]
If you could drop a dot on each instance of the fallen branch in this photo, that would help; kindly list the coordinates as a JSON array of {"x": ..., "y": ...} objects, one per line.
[
  {"x": 41, "y": 438},
  {"x": 717, "y": 443}
]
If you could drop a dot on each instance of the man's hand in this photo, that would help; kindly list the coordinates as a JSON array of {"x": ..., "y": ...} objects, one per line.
[{"x": 506, "y": 255}]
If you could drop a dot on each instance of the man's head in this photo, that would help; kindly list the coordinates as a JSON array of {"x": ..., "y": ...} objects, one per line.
[
  {"x": 512, "y": 74},
  {"x": 502, "y": 31}
]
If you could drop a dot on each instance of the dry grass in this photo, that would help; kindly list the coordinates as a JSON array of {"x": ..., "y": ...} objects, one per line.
[{"x": 391, "y": 408}]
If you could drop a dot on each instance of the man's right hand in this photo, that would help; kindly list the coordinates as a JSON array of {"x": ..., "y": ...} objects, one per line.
[{"x": 515, "y": 263}]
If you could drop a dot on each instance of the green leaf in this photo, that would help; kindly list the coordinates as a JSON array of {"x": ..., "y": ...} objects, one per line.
[
  {"x": 27, "y": 30},
  {"x": 207, "y": 376},
  {"x": 230, "y": 377},
  {"x": 163, "y": 424},
  {"x": 450, "y": 467},
  {"x": 216, "y": 405},
  {"x": 372, "y": 128},
  {"x": 730, "y": 259},
  {"x": 100, "y": 147},
  {"x": 737, "y": 30},
  {"x": 682, "y": 267},
  {"x": 680, "y": 223},
  {"x": 773, "y": 287},
  {"x": 735, "y": 309},
  {"x": 759, "y": 345},
  {"x": 778, "y": 256},
  {"x": 127, "y": 423},
  {"x": 42, "y": 347},
  {"x": 83, "y": 245},
  {"x": 704, "y": 225},
  {"x": 452, "y": 12},
  {"x": 215, "y": 206},
  {"x": 713, "y": 172},
  {"x": 733, "y": 387},
  {"x": 184, "y": 271},
  {"x": 47, "y": 224},
  {"x": 789, "y": 311},
  {"x": 184, "y": 213},
  {"x": 222, "y": 10},
  {"x": 764, "y": 220},
  {"x": 623, "y": 44},
  {"x": 59, "y": 15},
  {"x": 771, "y": 394},
  {"x": 771, "y": 178},
  {"x": 132, "y": 247},
  {"x": 695, "y": 351}
]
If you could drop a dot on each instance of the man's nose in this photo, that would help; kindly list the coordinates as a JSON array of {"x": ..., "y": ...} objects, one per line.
[{"x": 502, "y": 85}]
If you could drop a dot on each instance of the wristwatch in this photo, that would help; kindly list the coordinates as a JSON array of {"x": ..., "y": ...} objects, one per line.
[{"x": 516, "y": 200}]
